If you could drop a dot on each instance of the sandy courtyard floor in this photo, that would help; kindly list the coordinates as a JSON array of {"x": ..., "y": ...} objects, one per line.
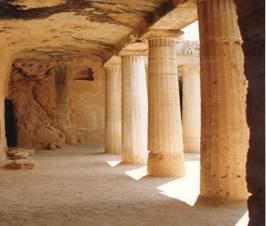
[{"x": 84, "y": 187}]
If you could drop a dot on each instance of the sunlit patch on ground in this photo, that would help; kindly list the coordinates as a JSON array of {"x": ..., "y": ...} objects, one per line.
[
  {"x": 137, "y": 174},
  {"x": 113, "y": 163},
  {"x": 186, "y": 188},
  {"x": 243, "y": 221}
]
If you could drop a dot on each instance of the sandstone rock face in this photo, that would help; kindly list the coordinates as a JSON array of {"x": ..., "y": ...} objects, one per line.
[
  {"x": 53, "y": 109},
  {"x": 252, "y": 26}
]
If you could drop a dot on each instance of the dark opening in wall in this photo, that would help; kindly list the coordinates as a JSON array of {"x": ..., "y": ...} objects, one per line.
[
  {"x": 87, "y": 74},
  {"x": 10, "y": 124},
  {"x": 180, "y": 82}
]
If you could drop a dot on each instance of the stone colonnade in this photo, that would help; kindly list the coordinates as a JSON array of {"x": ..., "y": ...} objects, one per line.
[{"x": 224, "y": 132}]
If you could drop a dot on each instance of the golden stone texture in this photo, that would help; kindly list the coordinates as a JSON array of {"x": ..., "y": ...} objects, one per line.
[
  {"x": 224, "y": 130},
  {"x": 165, "y": 140}
]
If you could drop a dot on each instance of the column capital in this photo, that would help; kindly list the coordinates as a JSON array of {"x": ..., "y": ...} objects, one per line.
[
  {"x": 162, "y": 33},
  {"x": 132, "y": 53},
  {"x": 113, "y": 63},
  {"x": 135, "y": 49},
  {"x": 191, "y": 69}
]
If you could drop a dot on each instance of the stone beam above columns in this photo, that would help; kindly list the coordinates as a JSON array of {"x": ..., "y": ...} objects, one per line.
[{"x": 170, "y": 15}]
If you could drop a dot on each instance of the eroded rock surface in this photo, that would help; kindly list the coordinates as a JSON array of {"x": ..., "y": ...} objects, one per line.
[
  {"x": 251, "y": 21},
  {"x": 53, "y": 109}
]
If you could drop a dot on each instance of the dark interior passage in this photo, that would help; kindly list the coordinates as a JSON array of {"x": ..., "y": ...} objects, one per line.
[{"x": 10, "y": 124}]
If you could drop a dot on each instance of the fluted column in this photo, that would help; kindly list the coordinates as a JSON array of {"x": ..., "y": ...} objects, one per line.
[
  {"x": 165, "y": 141},
  {"x": 134, "y": 109},
  {"x": 224, "y": 131},
  {"x": 191, "y": 108},
  {"x": 113, "y": 109}
]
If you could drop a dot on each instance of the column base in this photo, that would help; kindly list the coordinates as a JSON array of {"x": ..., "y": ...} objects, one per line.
[
  {"x": 164, "y": 164},
  {"x": 112, "y": 152},
  {"x": 134, "y": 159},
  {"x": 220, "y": 200},
  {"x": 191, "y": 145}
]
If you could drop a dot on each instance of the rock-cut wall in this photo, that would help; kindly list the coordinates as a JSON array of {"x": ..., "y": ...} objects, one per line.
[
  {"x": 52, "y": 108},
  {"x": 252, "y": 25}
]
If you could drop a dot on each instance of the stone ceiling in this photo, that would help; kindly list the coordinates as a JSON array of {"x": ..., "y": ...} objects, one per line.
[{"x": 98, "y": 28}]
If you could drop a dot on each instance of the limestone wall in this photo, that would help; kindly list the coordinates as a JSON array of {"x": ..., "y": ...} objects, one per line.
[
  {"x": 53, "y": 108},
  {"x": 86, "y": 101}
]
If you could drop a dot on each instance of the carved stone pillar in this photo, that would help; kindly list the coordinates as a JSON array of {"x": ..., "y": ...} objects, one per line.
[
  {"x": 134, "y": 109},
  {"x": 113, "y": 109},
  {"x": 191, "y": 107},
  {"x": 224, "y": 130},
  {"x": 165, "y": 129}
]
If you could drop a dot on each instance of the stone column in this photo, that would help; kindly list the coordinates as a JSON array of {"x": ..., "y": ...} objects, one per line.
[
  {"x": 165, "y": 129},
  {"x": 224, "y": 130},
  {"x": 113, "y": 109},
  {"x": 134, "y": 109},
  {"x": 191, "y": 108}
]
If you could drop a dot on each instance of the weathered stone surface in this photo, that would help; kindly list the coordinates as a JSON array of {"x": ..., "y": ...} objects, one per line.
[
  {"x": 19, "y": 164},
  {"x": 224, "y": 130},
  {"x": 60, "y": 27},
  {"x": 164, "y": 164},
  {"x": 165, "y": 140},
  {"x": 52, "y": 108},
  {"x": 251, "y": 20}
]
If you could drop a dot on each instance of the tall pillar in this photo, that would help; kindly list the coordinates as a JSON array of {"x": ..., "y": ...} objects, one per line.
[
  {"x": 113, "y": 109},
  {"x": 134, "y": 109},
  {"x": 191, "y": 108},
  {"x": 224, "y": 130},
  {"x": 165, "y": 141}
]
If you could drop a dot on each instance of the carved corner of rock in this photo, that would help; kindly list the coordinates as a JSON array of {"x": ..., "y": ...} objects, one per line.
[{"x": 85, "y": 75}]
